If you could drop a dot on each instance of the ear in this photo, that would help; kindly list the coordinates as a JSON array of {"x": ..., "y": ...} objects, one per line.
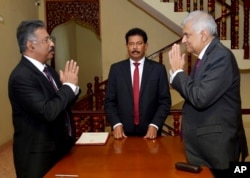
[
  {"x": 30, "y": 46},
  {"x": 204, "y": 35}
]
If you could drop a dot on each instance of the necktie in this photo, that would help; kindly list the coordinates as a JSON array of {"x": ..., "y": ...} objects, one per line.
[
  {"x": 50, "y": 78},
  {"x": 136, "y": 92},
  {"x": 67, "y": 117},
  {"x": 197, "y": 64}
]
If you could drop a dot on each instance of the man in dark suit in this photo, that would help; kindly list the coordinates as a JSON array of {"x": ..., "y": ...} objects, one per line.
[
  {"x": 43, "y": 126},
  {"x": 212, "y": 125},
  {"x": 154, "y": 97}
]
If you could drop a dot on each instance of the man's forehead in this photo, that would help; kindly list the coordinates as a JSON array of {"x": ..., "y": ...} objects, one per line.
[
  {"x": 135, "y": 38},
  {"x": 42, "y": 32}
]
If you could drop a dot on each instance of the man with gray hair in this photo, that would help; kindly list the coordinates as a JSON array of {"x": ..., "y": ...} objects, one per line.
[
  {"x": 212, "y": 127},
  {"x": 41, "y": 98}
]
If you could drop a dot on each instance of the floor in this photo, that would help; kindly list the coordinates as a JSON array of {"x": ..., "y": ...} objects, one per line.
[{"x": 6, "y": 161}]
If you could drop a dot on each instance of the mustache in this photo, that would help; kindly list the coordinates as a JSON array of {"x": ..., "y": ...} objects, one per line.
[{"x": 52, "y": 49}]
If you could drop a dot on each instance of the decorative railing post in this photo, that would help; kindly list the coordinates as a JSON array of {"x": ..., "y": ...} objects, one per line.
[
  {"x": 223, "y": 21},
  {"x": 188, "y": 6},
  {"x": 246, "y": 29},
  {"x": 235, "y": 20},
  {"x": 201, "y": 5},
  {"x": 176, "y": 5},
  {"x": 195, "y": 5},
  {"x": 176, "y": 116},
  {"x": 211, "y": 7}
]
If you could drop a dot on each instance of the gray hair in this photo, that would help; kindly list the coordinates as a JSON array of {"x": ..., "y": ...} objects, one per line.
[
  {"x": 200, "y": 21},
  {"x": 26, "y": 31}
]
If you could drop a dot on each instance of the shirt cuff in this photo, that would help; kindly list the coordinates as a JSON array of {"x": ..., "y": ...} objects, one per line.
[
  {"x": 116, "y": 125},
  {"x": 173, "y": 74},
  {"x": 74, "y": 88},
  {"x": 154, "y": 126},
  {"x": 149, "y": 124}
]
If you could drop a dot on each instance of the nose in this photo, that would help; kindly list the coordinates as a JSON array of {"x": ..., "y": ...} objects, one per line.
[
  {"x": 184, "y": 39},
  {"x": 52, "y": 43}
]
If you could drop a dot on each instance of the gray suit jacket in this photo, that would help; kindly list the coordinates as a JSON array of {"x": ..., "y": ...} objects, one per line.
[
  {"x": 213, "y": 132},
  {"x": 155, "y": 99}
]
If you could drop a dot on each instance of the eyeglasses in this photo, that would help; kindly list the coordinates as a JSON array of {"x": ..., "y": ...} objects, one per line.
[{"x": 47, "y": 40}]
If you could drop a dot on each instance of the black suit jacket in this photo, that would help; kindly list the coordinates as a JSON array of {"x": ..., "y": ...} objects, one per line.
[
  {"x": 40, "y": 137},
  {"x": 155, "y": 99},
  {"x": 213, "y": 132}
]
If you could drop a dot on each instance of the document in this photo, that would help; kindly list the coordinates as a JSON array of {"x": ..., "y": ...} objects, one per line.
[{"x": 93, "y": 138}]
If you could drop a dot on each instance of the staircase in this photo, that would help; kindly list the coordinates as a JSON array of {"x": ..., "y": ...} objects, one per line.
[
  {"x": 164, "y": 12},
  {"x": 89, "y": 114}
]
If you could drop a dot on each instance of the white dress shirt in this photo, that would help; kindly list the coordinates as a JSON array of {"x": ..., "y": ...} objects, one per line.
[{"x": 132, "y": 68}]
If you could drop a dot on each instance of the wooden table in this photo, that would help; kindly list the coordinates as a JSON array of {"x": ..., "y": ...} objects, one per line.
[{"x": 133, "y": 157}]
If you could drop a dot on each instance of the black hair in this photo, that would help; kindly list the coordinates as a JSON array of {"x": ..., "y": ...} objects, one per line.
[{"x": 136, "y": 31}]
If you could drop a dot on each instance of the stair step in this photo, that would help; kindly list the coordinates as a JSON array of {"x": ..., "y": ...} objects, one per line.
[{"x": 164, "y": 12}]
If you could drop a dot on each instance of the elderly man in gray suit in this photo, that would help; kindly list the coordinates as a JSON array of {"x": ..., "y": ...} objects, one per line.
[{"x": 212, "y": 126}]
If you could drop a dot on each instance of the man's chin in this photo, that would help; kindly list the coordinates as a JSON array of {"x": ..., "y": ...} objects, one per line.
[
  {"x": 136, "y": 57},
  {"x": 50, "y": 56}
]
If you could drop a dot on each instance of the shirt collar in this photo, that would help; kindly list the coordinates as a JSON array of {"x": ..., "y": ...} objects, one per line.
[
  {"x": 36, "y": 63},
  {"x": 203, "y": 52},
  {"x": 141, "y": 61}
]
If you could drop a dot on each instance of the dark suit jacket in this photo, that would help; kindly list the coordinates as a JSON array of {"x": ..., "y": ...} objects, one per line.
[
  {"x": 155, "y": 99},
  {"x": 40, "y": 137},
  {"x": 212, "y": 124}
]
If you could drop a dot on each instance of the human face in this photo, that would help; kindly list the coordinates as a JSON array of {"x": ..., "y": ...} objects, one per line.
[
  {"x": 136, "y": 47},
  {"x": 43, "y": 46},
  {"x": 192, "y": 39}
]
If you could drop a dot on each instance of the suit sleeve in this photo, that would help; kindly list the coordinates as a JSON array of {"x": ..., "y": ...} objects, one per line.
[
  {"x": 36, "y": 98},
  {"x": 212, "y": 82},
  {"x": 164, "y": 99},
  {"x": 110, "y": 103}
]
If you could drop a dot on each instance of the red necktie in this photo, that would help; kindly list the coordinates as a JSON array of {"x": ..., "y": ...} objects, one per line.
[
  {"x": 136, "y": 92},
  {"x": 67, "y": 118}
]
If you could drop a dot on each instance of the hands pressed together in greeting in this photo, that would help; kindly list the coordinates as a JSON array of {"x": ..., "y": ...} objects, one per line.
[
  {"x": 70, "y": 73},
  {"x": 176, "y": 59}
]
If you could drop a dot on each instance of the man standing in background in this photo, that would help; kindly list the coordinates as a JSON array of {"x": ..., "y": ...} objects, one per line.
[{"x": 137, "y": 99}]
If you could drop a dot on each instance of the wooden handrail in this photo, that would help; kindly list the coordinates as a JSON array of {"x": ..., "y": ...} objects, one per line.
[
  {"x": 245, "y": 111},
  {"x": 157, "y": 53},
  {"x": 90, "y": 109},
  {"x": 95, "y": 121}
]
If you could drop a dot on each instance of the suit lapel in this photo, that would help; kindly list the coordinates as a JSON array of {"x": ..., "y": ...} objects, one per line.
[
  {"x": 127, "y": 76},
  {"x": 145, "y": 75},
  {"x": 39, "y": 74},
  {"x": 55, "y": 76},
  {"x": 214, "y": 42}
]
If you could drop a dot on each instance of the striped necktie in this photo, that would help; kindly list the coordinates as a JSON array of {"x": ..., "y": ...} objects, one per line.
[
  {"x": 50, "y": 78},
  {"x": 66, "y": 117}
]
